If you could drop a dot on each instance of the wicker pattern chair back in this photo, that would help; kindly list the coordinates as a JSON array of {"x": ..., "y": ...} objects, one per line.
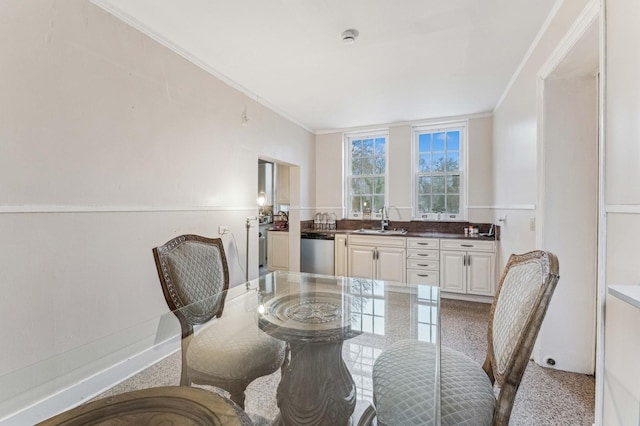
[
  {"x": 402, "y": 377},
  {"x": 230, "y": 351},
  {"x": 193, "y": 272},
  {"x": 519, "y": 307}
]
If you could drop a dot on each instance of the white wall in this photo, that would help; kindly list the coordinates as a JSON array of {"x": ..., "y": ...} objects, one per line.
[
  {"x": 514, "y": 141},
  {"x": 112, "y": 144},
  {"x": 329, "y": 164},
  {"x": 622, "y": 144}
]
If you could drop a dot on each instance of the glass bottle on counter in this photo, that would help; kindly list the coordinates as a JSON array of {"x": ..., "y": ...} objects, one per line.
[
  {"x": 332, "y": 221},
  {"x": 324, "y": 220},
  {"x": 316, "y": 221}
]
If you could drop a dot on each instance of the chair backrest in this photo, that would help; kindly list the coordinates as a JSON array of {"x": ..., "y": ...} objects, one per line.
[
  {"x": 519, "y": 306},
  {"x": 194, "y": 274}
]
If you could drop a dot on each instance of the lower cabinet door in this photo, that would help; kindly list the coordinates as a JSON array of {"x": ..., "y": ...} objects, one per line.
[
  {"x": 361, "y": 261},
  {"x": 481, "y": 272},
  {"x": 278, "y": 251},
  {"x": 390, "y": 264},
  {"x": 340, "y": 254},
  {"x": 453, "y": 271}
]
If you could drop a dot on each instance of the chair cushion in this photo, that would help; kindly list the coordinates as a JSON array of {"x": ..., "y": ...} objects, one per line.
[
  {"x": 403, "y": 387},
  {"x": 234, "y": 348}
]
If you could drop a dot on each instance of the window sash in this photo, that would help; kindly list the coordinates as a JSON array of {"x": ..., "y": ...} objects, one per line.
[
  {"x": 439, "y": 172},
  {"x": 369, "y": 183}
]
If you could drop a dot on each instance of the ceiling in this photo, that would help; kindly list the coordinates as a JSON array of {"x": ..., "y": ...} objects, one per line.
[{"x": 413, "y": 59}]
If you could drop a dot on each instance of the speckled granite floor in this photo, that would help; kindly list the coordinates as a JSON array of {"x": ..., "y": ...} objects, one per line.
[{"x": 545, "y": 396}]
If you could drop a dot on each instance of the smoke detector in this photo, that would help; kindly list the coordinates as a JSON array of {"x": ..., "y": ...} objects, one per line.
[{"x": 349, "y": 36}]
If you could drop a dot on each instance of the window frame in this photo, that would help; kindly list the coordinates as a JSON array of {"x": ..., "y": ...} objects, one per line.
[
  {"x": 416, "y": 131},
  {"x": 347, "y": 138}
]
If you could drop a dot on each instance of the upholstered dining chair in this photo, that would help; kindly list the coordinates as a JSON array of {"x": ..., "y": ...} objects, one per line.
[
  {"x": 403, "y": 375},
  {"x": 230, "y": 351}
]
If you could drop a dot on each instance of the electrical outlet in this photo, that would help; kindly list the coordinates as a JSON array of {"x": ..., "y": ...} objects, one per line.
[
  {"x": 532, "y": 224},
  {"x": 224, "y": 229}
]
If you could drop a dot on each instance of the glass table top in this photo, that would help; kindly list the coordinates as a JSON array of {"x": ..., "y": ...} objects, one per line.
[{"x": 362, "y": 317}]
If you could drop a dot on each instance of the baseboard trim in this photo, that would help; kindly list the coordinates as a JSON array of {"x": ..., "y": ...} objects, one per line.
[{"x": 92, "y": 386}]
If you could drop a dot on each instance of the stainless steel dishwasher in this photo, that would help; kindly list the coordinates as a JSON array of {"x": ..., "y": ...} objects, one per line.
[{"x": 316, "y": 253}]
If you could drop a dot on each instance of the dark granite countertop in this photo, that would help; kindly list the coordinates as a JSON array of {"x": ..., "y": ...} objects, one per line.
[{"x": 439, "y": 235}]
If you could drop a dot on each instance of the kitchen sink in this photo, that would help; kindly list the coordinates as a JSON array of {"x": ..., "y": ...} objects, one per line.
[{"x": 381, "y": 232}]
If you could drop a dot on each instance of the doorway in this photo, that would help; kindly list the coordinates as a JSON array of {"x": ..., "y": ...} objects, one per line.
[
  {"x": 266, "y": 199},
  {"x": 278, "y": 191},
  {"x": 568, "y": 196}
]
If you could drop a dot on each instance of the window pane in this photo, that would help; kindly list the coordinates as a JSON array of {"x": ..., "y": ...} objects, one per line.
[
  {"x": 438, "y": 141},
  {"x": 438, "y": 162},
  {"x": 424, "y": 204},
  {"x": 438, "y": 204},
  {"x": 367, "y": 186},
  {"x": 356, "y": 148},
  {"x": 424, "y": 185},
  {"x": 356, "y": 186},
  {"x": 438, "y": 185},
  {"x": 380, "y": 146},
  {"x": 453, "y": 161},
  {"x": 367, "y": 166},
  {"x": 453, "y": 204},
  {"x": 453, "y": 184},
  {"x": 424, "y": 142},
  {"x": 453, "y": 141},
  {"x": 378, "y": 185},
  {"x": 367, "y": 148},
  {"x": 356, "y": 166},
  {"x": 379, "y": 168},
  {"x": 424, "y": 164},
  {"x": 378, "y": 203},
  {"x": 356, "y": 204},
  {"x": 366, "y": 203}
]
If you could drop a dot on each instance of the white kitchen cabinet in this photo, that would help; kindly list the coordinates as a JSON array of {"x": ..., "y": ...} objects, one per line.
[
  {"x": 278, "y": 251},
  {"x": 340, "y": 253},
  {"x": 380, "y": 258},
  {"x": 467, "y": 267}
]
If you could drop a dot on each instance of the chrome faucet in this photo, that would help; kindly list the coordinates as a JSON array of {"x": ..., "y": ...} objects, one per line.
[{"x": 384, "y": 222}]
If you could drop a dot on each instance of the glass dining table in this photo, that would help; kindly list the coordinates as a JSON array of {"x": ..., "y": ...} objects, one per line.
[{"x": 335, "y": 329}]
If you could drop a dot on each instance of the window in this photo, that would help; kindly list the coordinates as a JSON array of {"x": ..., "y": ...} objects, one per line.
[
  {"x": 439, "y": 172},
  {"x": 366, "y": 170}
]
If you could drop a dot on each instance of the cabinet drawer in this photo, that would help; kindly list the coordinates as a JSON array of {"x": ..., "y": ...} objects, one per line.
[
  {"x": 423, "y": 254},
  {"x": 377, "y": 241},
  {"x": 423, "y": 264},
  {"x": 468, "y": 245},
  {"x": 423, "y": 243},
  {"x": 422, "y": 277}
]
